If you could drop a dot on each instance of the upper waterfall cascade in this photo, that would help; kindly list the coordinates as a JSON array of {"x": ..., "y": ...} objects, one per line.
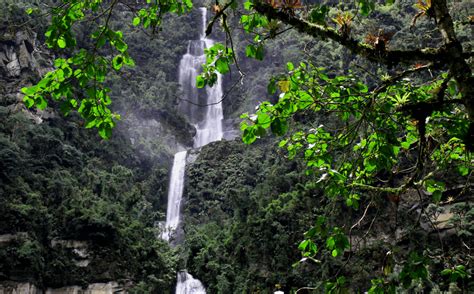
[{"x": 206, "y": 114}]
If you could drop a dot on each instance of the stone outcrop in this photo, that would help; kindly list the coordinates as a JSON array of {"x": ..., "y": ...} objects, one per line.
[
  {"x": 20, "y": 53},
  {"x": 28, "y": 288}
]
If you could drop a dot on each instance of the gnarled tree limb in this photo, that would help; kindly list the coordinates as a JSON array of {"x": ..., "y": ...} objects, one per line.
[
  {"x": 458, "y": 66},
  {"x": 389, "y": 57}
]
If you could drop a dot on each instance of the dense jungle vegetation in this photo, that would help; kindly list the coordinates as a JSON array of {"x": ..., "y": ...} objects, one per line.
[{"x": 354, "y": 174}]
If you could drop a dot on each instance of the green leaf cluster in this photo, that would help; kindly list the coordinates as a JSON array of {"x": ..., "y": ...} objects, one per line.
[{"x": 218, "y": 60}]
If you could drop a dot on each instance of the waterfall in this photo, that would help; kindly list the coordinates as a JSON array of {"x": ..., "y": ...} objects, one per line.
[
  {"x": 175, "y": 193},
  {"x": 188, "y": 285},
  {"x": 204, "y": 110}
]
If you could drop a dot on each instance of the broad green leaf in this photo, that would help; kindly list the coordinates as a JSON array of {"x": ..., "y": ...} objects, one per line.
[
  {"x": 463, "y": 170},
  {"x": 330, "y": 243},
  {"x": 290, "y": 66},
  {"x": 264, "y": 120},
  {"x": 136, "y": 21},
  {"x": 303, "y": 245},
  {"x": 282, "y": 143},
  {"x": 188, "y": 3},
  {"x": 250, "y": 51},
  {"x": 248, "y": 136},
  {"x": 117, "y": 62},
  {"x": 279, "y": 126},
  {"x": 222, "y": 66},
  {"x": 41, "y": 102},
  {"x": 248, "y": 5},
  {"x": 312, "y": 138},
  {"x": 29, "y": 90},
  {"x": 446, "y": 272},
  {"x": 105, "y": 132},
  {"x": 62, "y": 42},
  {"x": 200, "y": 81},
  {"x": 28, "y": 101},
  {"x": 259, "y": 53}
]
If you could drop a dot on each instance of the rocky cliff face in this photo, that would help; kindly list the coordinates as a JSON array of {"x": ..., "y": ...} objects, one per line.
[
  {"x": 21, "y": 61},
  {"x": 28, "y": 288},
  {"x": 19, "y": 52}
]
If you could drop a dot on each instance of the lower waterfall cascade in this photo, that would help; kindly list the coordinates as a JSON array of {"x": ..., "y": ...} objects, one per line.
[
  {"x": 175, "y": 192},
  {"x": 188, "y": 285},
  {"x": 208, "y": 129}
]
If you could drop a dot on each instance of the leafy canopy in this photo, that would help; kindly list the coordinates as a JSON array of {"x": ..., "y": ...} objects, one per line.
[
  {"x": 78, "y": 82},
  {"x": 405, "y": 131}
]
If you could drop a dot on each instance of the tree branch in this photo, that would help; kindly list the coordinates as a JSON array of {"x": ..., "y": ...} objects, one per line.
[
  {"x": 388, "y": 57},
  {"x": 450, "y": 54},
  {"x": 458, "y": 66},
  {"x": 216, "y": 17}
]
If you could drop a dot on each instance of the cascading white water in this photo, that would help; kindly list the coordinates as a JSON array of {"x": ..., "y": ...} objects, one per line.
[
  {"x": 208, "y": 129},
  {"x": 175, "y": 193},
  {"x": 188, "y": 285},
  {"x": 209, "y": 125}
]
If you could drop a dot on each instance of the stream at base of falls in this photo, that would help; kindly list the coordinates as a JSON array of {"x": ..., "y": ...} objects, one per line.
[{"x": 208, "y": 123}]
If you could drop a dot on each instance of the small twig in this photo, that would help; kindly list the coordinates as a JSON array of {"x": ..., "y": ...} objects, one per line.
[
  {"x": 363, "y": 216},
  {"x": 216, "y": 17},
  {"x": 307, "y": 288},
  {"x": 227, "y": 93},
  {"x": 371, "y": 224},
  {"x": 367, "y": 71},
  {"x": 271, "y": 36},
  {"x": 400, "y": 76}
]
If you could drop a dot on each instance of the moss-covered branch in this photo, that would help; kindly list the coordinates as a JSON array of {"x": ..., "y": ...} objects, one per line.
[{"x": 389, "y": 57}]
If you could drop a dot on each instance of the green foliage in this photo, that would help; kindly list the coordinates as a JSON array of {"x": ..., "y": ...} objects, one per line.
[
  {"x": 377, "y": 140},
  {"x": 456, "y": 273},
  {"x": 58, "y": 184},
  {"x": 414, "y": 270},
  {"x": 336, "y": 241},
  {"x": 239, "y": 213},
  {"x": 359, "y": 143},
  {"x": 379, "y": 286},
  {"x": 336, "y": 287},
  {"x": 355, "y": 136},
  {"x": 348, "y": 156},
  {"x": 254, "y": 51},
  {"x": 88, "y": 68},
  {"x": 218, "y": 61}
]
